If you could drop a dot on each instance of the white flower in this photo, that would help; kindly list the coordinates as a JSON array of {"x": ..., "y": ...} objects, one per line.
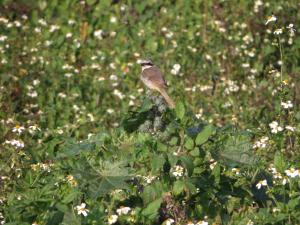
[
  {"x": 291, "y": 29},
  {"x": 149, "y": 179},
  {"x": 119, "y": 94},
  {"x": 284, "y": 181},
  {"x": 169, "y": 221},
  {"x": 112, "y": 219},
  {"x": 91, "y": 117},
  {"x": 16, "y": 143},
  {"x": 164, "y": 29},
  {"x": 53, "y": 28},
  {"x": 32, "y": 94},
  {"x": 290, "y": 128},
  {"x": 271, "y": 19},
  {"x": 113, "y": 19},
  {"x": 101, "y": 78},
  {"x": 69, "y": 35},
  {"x": 169, "y": 34},
  {"x": 4, "y": 20},
  {"x": 131, "y": 103},
  {"x": 42, "y": 22},
  {"x": 275, "y": 128},
  {"x": 175, "y": 69},
  {"x": 201, "y": 222},
  {"x": 262, "y": 143},
  {"x": 38, "y": 30},
  {"x": 236, "y": 171},
  {"x": 232, "y": 86},
  {"x": 17, "y": 23},
  {"x": 68, "y": 75},
  {"x": 62, "y": 95},
  {"x": 98, "y": 34},
  {"x": 287, "y": 105},
  {"x": 278, "y": 31},
  {"x": 190, "y": 223},
  {"x": 3, "y": 38},
  {"x": 245, "y": 65},
  {"x": 81, "y": 209},
  {"x": 250, "y": 222},
  {"x": 36, "y": 82},
  {"x": 59, "y": 131},
  {"x": 212, "y": 164},
  {"x": 110, "y": 111},
  {"x": 18, "y": 129},
  {"x": 113, "y": 77},
  {"x": 178, "y": 171},
  {"x": 261, "y": 183},
  {"x": 274, "y": 210},
  {"x": 292, "y": 172},
  {"x": 123, "y": 210},
  {"x": 71, "y": 22},
  {"x": 208, "y": 57},
  {"x": 33, "y": 128}
]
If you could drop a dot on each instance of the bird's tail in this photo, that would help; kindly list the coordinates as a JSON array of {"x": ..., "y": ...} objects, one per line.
[{"x": 170, "y": 102}]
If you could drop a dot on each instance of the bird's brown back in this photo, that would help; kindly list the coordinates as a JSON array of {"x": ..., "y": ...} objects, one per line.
[{"x": 154, "y": 75}]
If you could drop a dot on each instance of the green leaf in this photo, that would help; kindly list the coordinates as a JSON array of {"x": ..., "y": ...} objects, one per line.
[
  {"x": 70, "y": 218},
  {"x": 190, "y": 187},
  {"x": 55, "y": 218},
  {"x": 172, "y": 159},
  {"x": 216, "y": 172},
  {"x": 70, "y": 197},
  {"x": 236, "y": 151},
  {"x": 157, "y": 163},
  {"x": 279, "y": 161},
  {"x": 203, "y": 136},
  {"x": 110, "y": 176},
  {"x": 151, "y": 210},
  {"x": 147, "y": 105},
  {"x": 72, "y": 149},
  {"x": 293, "y": 203},
  {"x": 173, "y": 141},
  {"x": 134, "y": 119},
  {"x": 178, "y": 187},
  {"x": 161, "y": 147},
  {"x": 180, "y": 110},
  {"x": 189, "y": 143},
  {"x": 61, "y": 207},
  {"x": 90, "y": 2},
  {"x": 103, "y": 177},
  {"x": 188, "y": 164}
]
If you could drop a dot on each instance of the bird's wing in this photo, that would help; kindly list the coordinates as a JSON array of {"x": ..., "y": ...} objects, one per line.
[{"x": 154, "y": 74}]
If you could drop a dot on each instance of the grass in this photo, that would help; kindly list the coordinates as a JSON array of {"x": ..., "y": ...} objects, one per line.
[{"x": 83, "y": 142}]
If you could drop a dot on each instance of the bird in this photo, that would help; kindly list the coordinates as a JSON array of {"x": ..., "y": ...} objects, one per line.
[{"x": 153, "y": 78}]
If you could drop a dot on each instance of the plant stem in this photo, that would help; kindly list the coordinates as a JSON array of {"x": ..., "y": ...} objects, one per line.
[{"x": 281, "y": 59}]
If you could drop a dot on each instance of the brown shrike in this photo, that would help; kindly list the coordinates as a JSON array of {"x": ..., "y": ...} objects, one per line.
[{"x": 153, "y": 78}]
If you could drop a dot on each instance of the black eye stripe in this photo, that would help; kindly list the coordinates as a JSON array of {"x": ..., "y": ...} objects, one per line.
[{"x": 146, "y": 64}]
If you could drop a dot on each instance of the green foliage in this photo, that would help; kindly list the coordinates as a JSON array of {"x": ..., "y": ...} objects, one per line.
[
  {"x": 83, "y": 142},
  {"x": 236, "y": 151},
  {"x": 204, "y": 134},
  {"x": 180, "y": 110}
]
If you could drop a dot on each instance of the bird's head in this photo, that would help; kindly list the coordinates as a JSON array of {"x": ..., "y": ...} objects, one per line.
[{"x": 145, "y": 62}]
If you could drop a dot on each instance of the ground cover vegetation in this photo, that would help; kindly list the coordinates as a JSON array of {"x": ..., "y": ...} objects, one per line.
[{"x": 83, "y": 141}]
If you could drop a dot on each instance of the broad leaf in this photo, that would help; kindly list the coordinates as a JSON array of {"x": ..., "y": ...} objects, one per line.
[
  {"x": 203, "y": 136},
  {"x": 236, "y": 151},
  {"x": 180, "y": 110},
  {"x": 178, "y": 187},
  {"x": 152, "y": 209}
]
